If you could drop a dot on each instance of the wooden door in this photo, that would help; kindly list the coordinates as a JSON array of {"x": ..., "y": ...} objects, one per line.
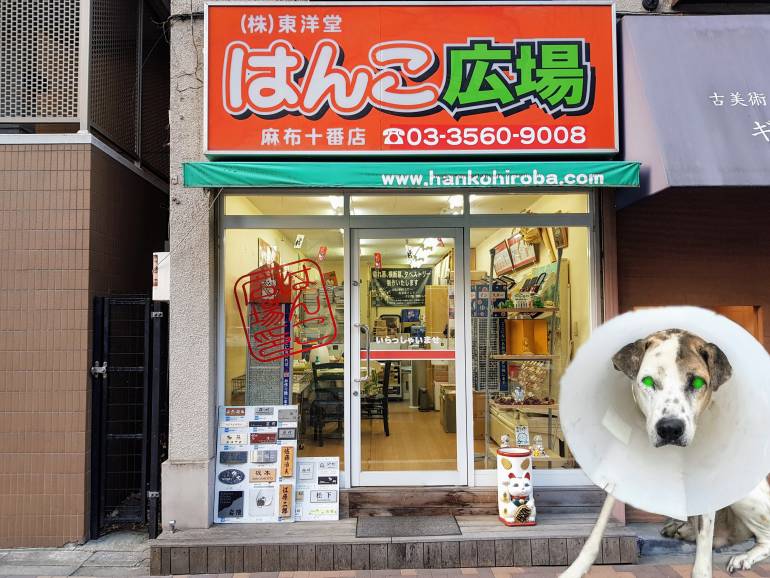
[{"x": 747, "y": 316}]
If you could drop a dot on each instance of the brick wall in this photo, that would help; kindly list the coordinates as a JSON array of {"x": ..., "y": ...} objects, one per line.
[
  {"x": 44, "y": 300},
  {"x": 74, "y": 223},
  {"x": 696, "y": 247}
]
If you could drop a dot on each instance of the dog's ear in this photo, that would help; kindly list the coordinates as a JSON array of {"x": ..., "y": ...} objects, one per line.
[
  {"x": 629, "y": 359},
  {"x": 720, "y": 369}
]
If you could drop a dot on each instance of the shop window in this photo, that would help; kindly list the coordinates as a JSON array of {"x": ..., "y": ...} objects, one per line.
[
  {"x": 406, "y": 204},
  {"x": 284, "y": 205},
  {"x": 272, "y": 276},
  {"x": 528, "y": 203},
  {"x": 525, "y": 335}
]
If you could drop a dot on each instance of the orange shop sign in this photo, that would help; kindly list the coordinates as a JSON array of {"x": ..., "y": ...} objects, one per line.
[{"x": 406, "y": 78}]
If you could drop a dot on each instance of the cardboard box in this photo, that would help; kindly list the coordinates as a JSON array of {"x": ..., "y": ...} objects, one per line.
[
  {"x": 478, "y": 427},
  {"x": 479, "y": 403},
  {"x": 441, "y": 373}
]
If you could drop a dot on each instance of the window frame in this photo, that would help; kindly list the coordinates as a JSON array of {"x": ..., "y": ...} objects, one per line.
[{"x": 465, "y": 221}]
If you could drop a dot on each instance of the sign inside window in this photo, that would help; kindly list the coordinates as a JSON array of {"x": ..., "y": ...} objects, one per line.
[{"x": 400, "y": 287}]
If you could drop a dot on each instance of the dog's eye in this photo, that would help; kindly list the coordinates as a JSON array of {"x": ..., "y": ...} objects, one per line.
[
  {"x": 697, "y": 382},
  {"x": 648, "y": 381}
]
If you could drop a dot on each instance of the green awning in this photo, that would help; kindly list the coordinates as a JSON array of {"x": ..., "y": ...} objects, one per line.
[{"x": 413, "y": 175}]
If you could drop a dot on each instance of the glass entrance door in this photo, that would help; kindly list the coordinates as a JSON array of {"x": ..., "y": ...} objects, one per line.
[{"x": 408, "y": 394}]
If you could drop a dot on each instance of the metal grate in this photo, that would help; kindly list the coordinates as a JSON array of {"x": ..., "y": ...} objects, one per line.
[
  {"x": 155, "y": 94},
  {"x": 39, "y": 51},
  {"x": 125, "y": 411},
  {"x": 114, "y": 78},
  {"x": 129, "y": 80},
  {"x": 129, "y": 412},
  {"x": 487, "y": 374}
]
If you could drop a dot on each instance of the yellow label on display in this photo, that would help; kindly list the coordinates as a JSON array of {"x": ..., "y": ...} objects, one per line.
[
  {"x": 285, "y": 493},
  {"x": 287, "y": 461},
  {"x": 259, "y": 475}
]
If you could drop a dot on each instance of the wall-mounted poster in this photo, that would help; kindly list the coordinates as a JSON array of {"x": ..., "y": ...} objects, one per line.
[
  {"x": 318, "y": 489},
  {"x": 522, "y": 253},
  {"x": 267, "y": 253},
  {"x": 502, "y": 263},
  {"x": 400, "y": 287},
  {"x": 256, "y": 466}
]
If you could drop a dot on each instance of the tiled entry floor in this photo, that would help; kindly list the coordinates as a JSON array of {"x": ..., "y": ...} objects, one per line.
[{"x": 305, "y": 546}]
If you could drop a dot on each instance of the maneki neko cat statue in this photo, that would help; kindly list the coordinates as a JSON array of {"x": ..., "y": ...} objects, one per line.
[{"x": 515, "y": 497}]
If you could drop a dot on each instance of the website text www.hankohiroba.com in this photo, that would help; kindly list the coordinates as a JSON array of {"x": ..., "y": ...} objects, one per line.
[{"x": 494, "y": 178}]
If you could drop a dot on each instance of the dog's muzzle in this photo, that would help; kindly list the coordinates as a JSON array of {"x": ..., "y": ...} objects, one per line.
[{"x": 670, "y": 431}]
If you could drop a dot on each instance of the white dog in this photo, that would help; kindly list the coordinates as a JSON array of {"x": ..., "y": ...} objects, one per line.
[{"x": 673, "y": 374}]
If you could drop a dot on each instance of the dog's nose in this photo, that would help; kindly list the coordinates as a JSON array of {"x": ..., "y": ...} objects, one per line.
[{"x": 670, "y": 429}]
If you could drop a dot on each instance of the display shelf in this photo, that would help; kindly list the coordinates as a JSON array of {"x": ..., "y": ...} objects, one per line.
[
  {"x": 526, "y": 310},
  {"x": 525, "y": 408},
  {"x": 552, "y": 315},
  {"x": 516, "y": 357},
  {"x": 551, "y": 456}
]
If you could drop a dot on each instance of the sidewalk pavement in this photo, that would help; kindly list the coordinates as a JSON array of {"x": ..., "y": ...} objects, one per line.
[{"x": 117, "y": 554}]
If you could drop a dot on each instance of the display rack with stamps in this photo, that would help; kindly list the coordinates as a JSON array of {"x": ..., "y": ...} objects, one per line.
[{"x": 256, "y": 464}]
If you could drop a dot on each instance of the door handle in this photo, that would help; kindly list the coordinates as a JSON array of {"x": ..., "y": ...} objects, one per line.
[{"x": 365, "y": 330}]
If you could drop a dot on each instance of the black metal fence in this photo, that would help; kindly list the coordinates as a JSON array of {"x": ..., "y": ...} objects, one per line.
[{"x": 129, "y": 412}]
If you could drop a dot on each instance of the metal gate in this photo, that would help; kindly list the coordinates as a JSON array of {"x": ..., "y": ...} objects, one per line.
[{"x": 129, "y": 412}]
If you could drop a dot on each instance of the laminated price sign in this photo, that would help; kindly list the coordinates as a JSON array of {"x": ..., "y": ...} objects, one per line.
[{"x": 398, "y": 78}]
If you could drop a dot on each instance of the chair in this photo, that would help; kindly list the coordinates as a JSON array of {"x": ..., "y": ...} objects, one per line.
[
  {"x": 376, "y": 406},
  {"x": 328, "y": 405}
]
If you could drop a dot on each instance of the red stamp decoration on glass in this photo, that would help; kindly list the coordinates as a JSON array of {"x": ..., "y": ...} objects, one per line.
[{"x": 285, "y": 310}]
